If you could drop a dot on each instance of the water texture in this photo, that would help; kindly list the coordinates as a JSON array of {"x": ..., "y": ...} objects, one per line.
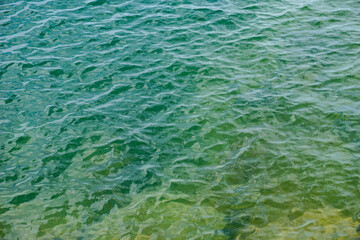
[{"x": 180, "y": 119}]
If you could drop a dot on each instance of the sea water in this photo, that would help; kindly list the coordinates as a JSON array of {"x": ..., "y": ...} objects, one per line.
[{"x": 177, "y": 119}]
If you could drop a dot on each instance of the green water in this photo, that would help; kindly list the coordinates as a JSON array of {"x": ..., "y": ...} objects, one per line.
[{"x": 179, "y": 119}]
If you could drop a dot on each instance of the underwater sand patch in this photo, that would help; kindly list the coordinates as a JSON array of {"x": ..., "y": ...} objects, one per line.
[{"x": 327, "y": 223}]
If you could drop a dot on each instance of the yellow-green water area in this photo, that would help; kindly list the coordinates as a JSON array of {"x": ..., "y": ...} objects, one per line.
[{"x": 179, "y": 119}]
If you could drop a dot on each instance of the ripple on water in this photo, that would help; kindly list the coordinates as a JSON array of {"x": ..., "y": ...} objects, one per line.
[{"x": 179, "y": 120}]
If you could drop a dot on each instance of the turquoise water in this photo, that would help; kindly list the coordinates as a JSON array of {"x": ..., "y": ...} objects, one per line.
[{"x": 179, "y": 119}]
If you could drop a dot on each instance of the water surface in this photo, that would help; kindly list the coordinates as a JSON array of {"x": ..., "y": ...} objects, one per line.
[{"x": 179, "y": 119}]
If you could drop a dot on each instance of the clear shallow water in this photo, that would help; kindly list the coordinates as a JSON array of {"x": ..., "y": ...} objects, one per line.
[{"x": 179, "y": 119}]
